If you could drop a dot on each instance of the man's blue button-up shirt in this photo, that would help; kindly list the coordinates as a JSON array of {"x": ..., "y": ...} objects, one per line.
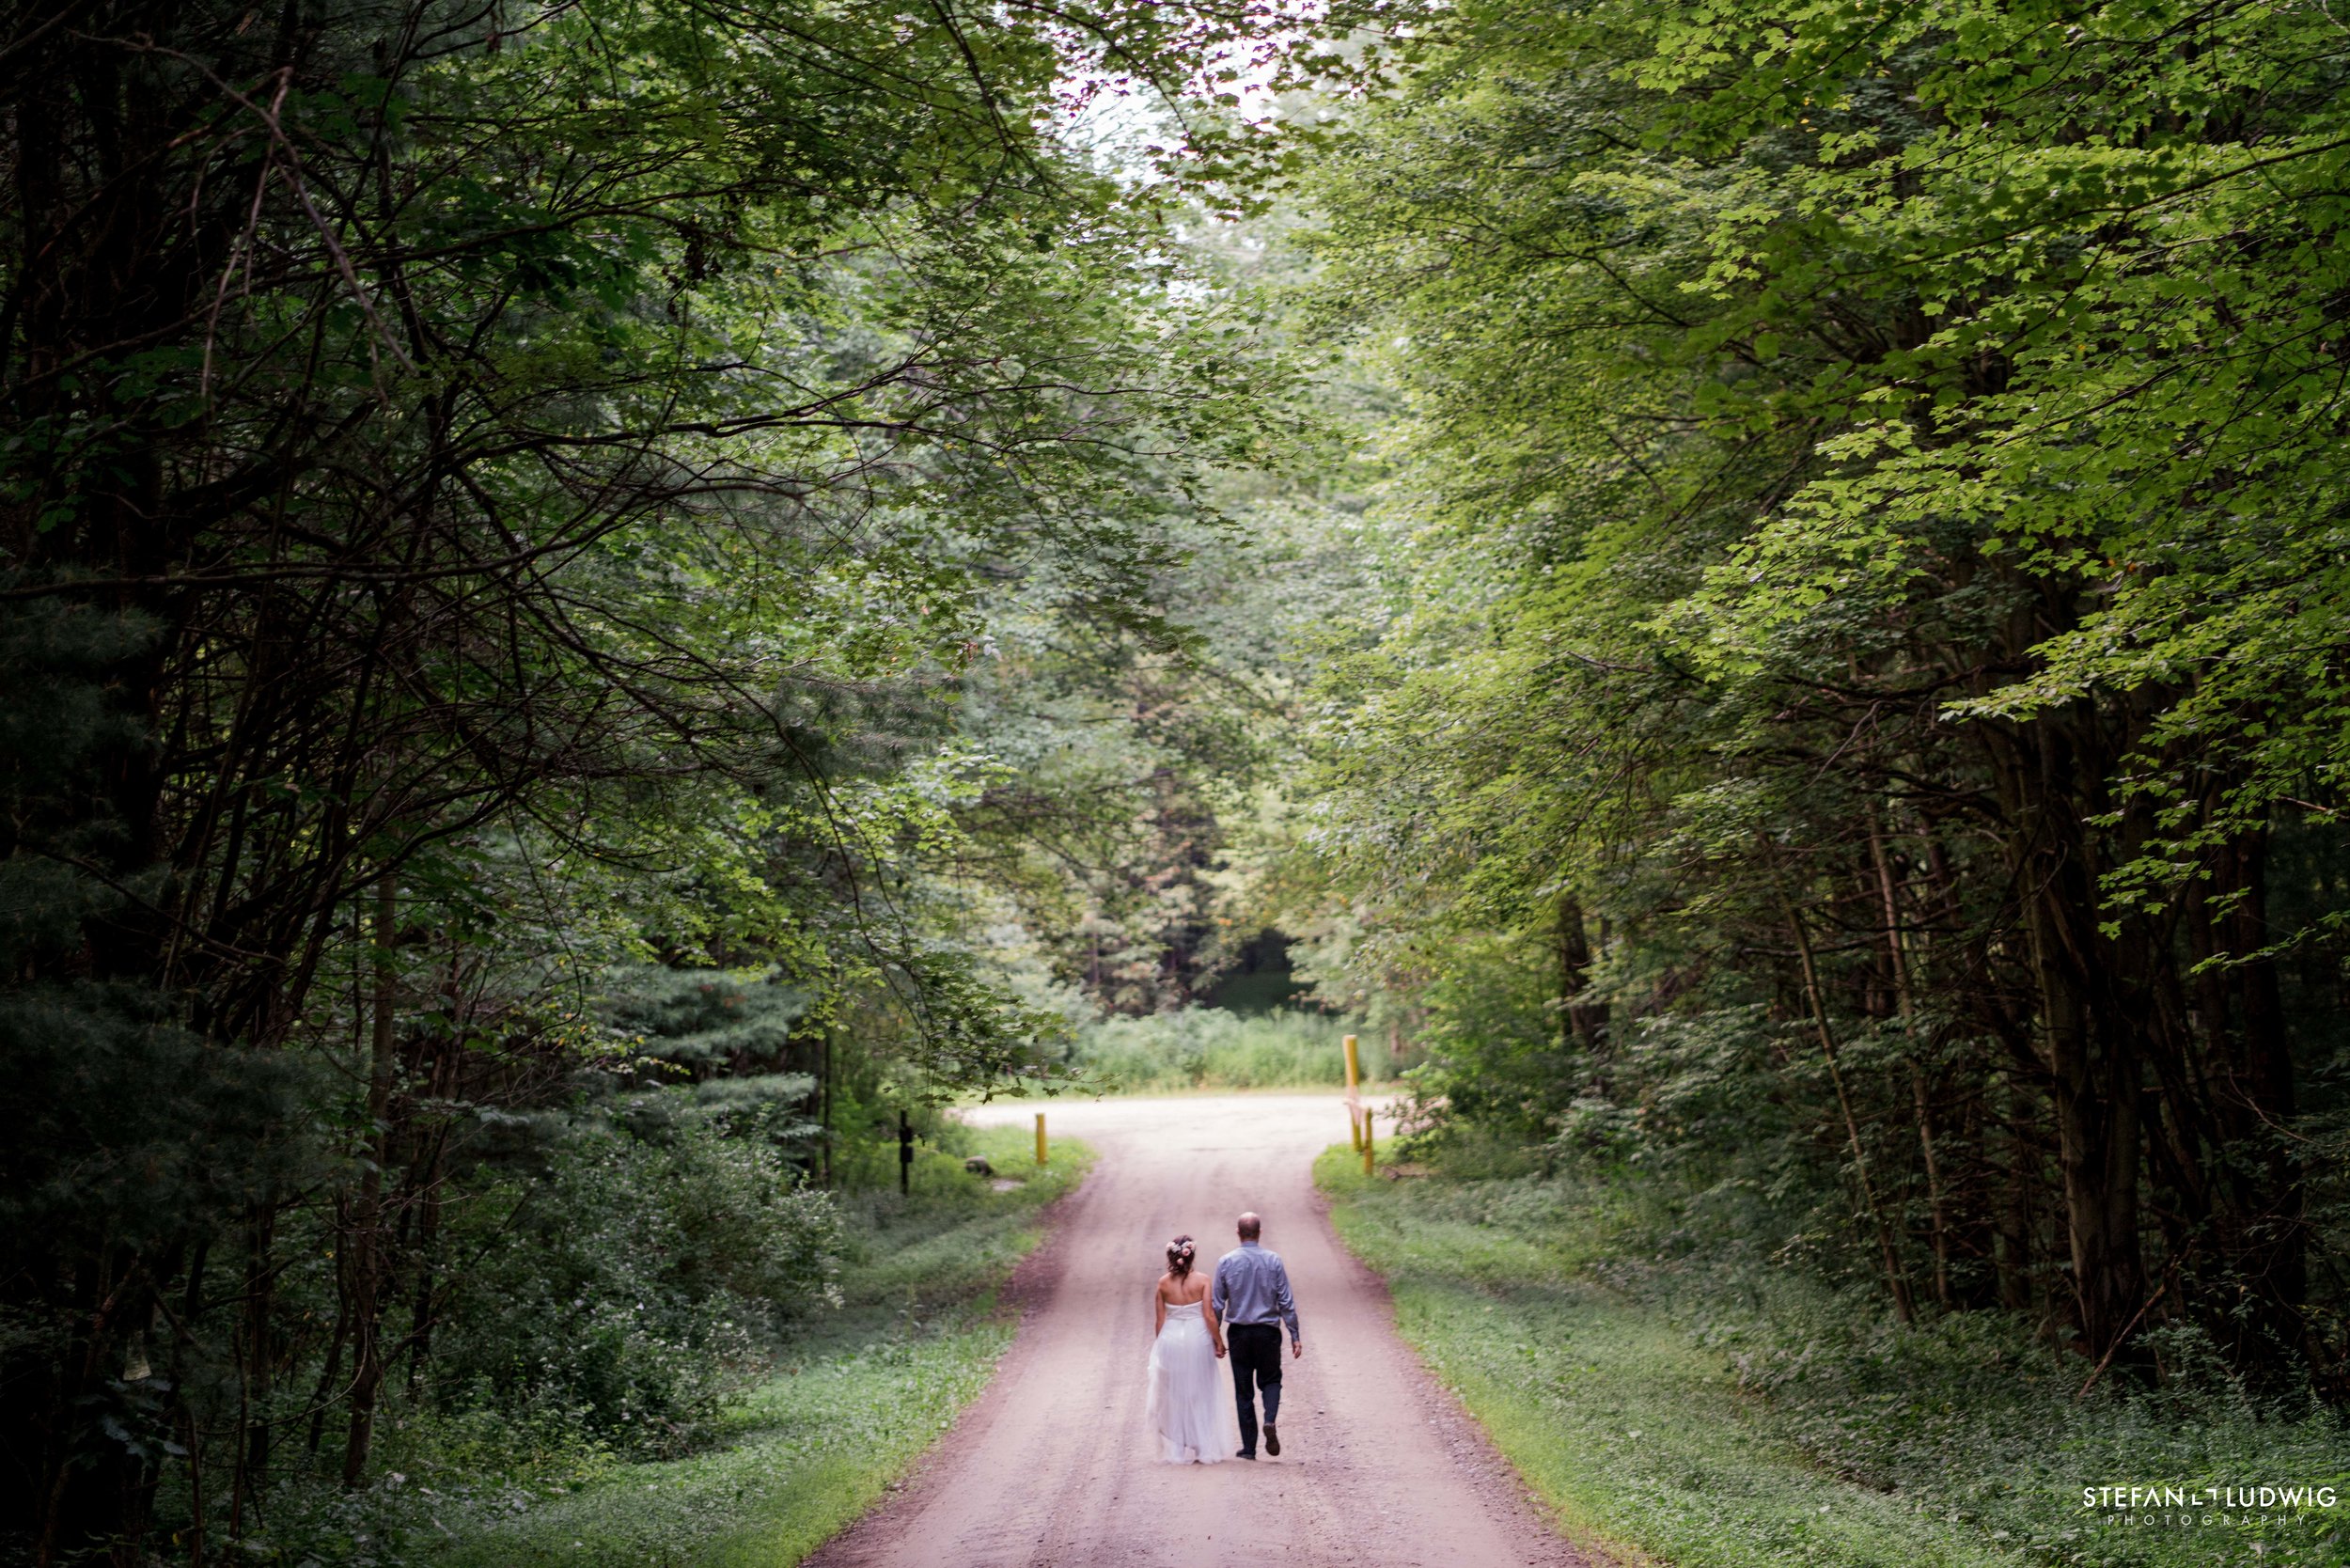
[{"x": 1251, "y": 1286}]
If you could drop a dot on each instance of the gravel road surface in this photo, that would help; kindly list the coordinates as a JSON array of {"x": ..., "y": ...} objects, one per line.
[{"x": 1379, "y": 1469}]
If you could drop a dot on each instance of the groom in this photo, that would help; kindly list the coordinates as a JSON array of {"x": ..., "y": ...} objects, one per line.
[{"x": 1252, "y": 1297}]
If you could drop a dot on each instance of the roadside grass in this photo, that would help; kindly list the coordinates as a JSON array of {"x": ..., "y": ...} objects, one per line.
[
  {"x": 1208, "y": 1048},
  {"x": 1709, "y": 1413},
  {"x": 857, "y": 1398}
]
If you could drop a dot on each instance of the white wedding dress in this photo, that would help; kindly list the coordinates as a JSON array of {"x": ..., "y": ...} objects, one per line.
[{"x": 1187, "y": 1402}]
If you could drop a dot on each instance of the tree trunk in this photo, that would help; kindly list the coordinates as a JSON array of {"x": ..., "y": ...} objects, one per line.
[
  {"x": 366, "y": 1242},
  {"x": 1894, "y": 1280},
  {"x": 2266, "y": 1232},
  {"x": 2013, "y": 1248},
  {"x": 2094, "y": 1071},
  {"x": 258, "y": 1359},
  {"x": 1896, "y": 960}
]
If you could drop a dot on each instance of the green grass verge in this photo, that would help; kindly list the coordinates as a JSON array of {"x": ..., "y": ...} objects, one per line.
[
  {"x": 1676, "y": 1409},
  {"x": 858, "y": 1398}
]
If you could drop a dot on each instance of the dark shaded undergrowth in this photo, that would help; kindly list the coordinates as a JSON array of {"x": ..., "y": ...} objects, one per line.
[{"x": 853, "y": 1398}]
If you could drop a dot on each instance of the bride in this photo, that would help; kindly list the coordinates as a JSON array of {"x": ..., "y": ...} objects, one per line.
[{"x": 1185, "y": 1407}]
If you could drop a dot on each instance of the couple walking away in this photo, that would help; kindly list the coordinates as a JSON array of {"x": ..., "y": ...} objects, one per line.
[{"x": 1238, "y": 1315}]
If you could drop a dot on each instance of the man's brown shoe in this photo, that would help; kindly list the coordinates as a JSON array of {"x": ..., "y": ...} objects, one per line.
[{"x": 1271, "y": 1441}]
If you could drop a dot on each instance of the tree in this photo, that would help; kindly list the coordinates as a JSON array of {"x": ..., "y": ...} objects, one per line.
[
  {"x": 1841, "y": 445},
  {"x": 479, "y": 481}
]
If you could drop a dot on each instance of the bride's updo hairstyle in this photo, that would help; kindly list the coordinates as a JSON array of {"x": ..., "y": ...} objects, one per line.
[{"x": 1179, "y": 1257}]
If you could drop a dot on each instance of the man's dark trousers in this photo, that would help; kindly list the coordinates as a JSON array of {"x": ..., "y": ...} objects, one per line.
[{"x": 1255, "y": 1352}]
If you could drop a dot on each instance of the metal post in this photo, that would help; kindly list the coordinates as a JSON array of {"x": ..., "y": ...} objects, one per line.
[
  {"x": 1040, "y": 1137},
  {"x": 905, "y": 1155},
  {"x": 1353, "y": 1093}
]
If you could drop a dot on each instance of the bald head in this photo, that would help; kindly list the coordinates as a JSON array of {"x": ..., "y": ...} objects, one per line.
[{"x": 1250, "y": 1227}]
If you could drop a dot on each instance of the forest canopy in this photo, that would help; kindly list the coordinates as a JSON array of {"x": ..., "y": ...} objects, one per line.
[
  {"x": 603, "y": 605},
  {"x": 1856, "y": 717},
  {"x": 500, "y": 504}
]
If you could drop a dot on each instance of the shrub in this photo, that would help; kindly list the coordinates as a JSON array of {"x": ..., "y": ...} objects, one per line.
[{"x": 631, "y": 1282}]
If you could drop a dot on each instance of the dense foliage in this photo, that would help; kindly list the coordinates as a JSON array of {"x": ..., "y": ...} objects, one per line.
[
  {"x": 1855, "y": 714},
  {"x": 597, "y": 601},
  {"x": 496, "y": 503},
  {"x": 1216, "y": 1048},
  {"x": 1671, "y": 1386}
]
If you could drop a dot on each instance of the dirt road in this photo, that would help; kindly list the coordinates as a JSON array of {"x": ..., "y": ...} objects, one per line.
[{"x": 1052, "y": 1465}]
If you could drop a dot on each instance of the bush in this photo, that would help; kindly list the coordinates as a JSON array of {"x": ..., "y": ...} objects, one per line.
[{"x": 631, "y": 1283}]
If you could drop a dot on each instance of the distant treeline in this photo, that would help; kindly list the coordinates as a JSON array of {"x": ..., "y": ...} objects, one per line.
[{"x": 1208, "y": 1047}]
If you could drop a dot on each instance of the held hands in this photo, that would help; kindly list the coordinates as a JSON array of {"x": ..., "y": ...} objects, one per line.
[
  {"x": 1297, "y": 1349},
  {"x": 1219, "y": 1349}
]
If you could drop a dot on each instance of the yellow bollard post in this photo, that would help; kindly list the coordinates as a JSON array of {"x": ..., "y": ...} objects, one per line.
[
  {"x": 1040, "y": 1137},
  {"x": 1368, "y": 1144},
  {"x": 1354, "y": 1095}
]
